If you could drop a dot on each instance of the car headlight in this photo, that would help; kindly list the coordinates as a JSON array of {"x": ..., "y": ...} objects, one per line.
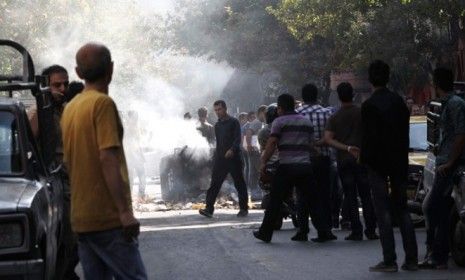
[
  {"x": 14, "y": 233},
  {"x": 11, "y": 234}
]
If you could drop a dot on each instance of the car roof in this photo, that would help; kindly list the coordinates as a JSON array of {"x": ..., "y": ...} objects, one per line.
[{"x": 418, "y": 119}]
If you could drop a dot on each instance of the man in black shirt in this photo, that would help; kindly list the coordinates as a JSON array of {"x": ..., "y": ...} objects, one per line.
[
  {"x": 344, "y": 133},
  {"x": 227, "y": 159},
  {"x": 385, "y": 147}
]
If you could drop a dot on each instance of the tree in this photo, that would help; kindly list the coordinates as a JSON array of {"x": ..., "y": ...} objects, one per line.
[{"x": 411, "y": 35}]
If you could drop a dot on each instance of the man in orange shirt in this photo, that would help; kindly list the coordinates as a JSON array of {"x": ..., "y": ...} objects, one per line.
[{"x": 101, "y": 207}]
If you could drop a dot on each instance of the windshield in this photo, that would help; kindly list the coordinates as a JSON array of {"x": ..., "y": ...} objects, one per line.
[
  {"x": 418, "y": 137},
  {"x": 10, "y": 156}
]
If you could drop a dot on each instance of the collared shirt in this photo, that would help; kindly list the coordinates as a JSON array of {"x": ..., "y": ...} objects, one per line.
[
  {"x": 452, "y": 123},
  {"x": 319, "y": 117},
  {"x": 295, "y": 138},
  {"x": 228, "y": 136}
]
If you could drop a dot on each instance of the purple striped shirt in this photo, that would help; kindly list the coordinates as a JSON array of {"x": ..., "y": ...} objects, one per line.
[{"x": 295, "y": 134}]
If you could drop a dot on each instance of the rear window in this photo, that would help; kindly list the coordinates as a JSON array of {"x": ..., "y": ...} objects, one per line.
[{"x": 10, "y": 154}]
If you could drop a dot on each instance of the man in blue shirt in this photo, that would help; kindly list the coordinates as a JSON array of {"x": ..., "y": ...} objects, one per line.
[{"x": 450, "y": 156}]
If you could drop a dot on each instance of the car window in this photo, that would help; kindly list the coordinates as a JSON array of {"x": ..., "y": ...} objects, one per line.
[
  {"x": 10, "y": 153},
  {"x": 418, "y": 140}
]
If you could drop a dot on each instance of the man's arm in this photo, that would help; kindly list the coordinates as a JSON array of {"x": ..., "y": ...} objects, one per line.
[
  {"x": 269, "y": 150},
  {"x": 236, "y": 145},
  {"x": 329, "y": 140},
  {"x": 33, "y": 121},
  {"x": 111, "y": 171}
]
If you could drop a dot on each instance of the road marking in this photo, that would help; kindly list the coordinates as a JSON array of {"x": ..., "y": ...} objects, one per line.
[{"x": 215, "y": 225}]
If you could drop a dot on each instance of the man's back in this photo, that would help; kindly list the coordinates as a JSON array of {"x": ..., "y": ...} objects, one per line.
[
  {"x": 346, "y": 124},
  {"x": 319, "y": 116},
  {"x": 90, "y": 123},
  {"x": 385, "y": 139},
  {"x": 295, "y": 134}
]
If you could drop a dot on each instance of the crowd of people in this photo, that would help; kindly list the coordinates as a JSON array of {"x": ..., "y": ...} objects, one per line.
[
  {"x": 307, "y": 149},
  {"x": 302, "y": 149}
]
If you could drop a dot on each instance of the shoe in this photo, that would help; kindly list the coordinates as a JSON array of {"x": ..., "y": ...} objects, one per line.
[
  {"x": 383, "y": 267},
  {"x": 300, "y": 236},
  {"x": 323, "y": 237},
  {"x": 206, "y": 213},
  {"x": 257, "y": 234},
  {"x": 429, "y": 264},
  {"x": 354, "y": 237},
  {"x": 243, "y": 213},
  {"x": 410, "y": 266},
  {"x": 371, "y": 235}
]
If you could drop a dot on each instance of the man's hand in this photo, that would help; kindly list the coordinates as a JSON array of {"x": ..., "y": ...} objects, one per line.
[
  {"x": 131, "y": 226},
  {"x": 229, "y": 154},
  {"x": 262, "y": 169},
  {"x": 355, "y": 151},
  {"x": 250, "y": 149},
  {"x": 444, "y": 169}
]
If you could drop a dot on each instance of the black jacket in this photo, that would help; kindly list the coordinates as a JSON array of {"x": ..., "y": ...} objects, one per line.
[
  {"x": 385, "y": 134},
  {"x": 228, "y": 135}
]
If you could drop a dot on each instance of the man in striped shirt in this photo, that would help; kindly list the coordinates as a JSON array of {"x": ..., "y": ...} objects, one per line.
[
  {"x": 292, "y": 135},
  {"x": 319, "y": 116}
]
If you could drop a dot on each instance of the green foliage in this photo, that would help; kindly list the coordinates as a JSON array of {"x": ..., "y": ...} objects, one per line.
[{"x": 411, "y": 35}]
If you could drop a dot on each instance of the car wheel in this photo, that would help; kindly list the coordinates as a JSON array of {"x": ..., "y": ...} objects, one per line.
[{"x": 457, "y": 239}]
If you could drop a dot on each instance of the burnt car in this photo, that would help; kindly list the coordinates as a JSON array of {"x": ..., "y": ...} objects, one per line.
[
  {"x": 31, "y": 189},
  {"x": 185, "y": 174}
]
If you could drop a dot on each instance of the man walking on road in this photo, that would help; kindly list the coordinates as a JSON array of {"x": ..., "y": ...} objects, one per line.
[
  {"x": 101, "y": 208},
  {"x": 292, "y": 135},
  {"x": 227, "y": 159},
  {"x": 385, "y": 147},
  {"x": 450, "y": 158},
  {"x": 344, "y": 133}
]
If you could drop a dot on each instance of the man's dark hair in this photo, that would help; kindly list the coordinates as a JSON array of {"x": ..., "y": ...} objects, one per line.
[
  {"x": 345, "y": 92},
  {"x": 74, "y": 89},
  {"x": 443, "y": 78},
  {"x": 187, "y": 116},
  {"x": 286, "y": 102},
  {"x": 54, "y": 69},
  {"x": 262, "y": 108},
  {"x": 220, "y": 103},
  {"x": 98, "y": 69},
  {"x": 202, "y": 112},
  {"x": 310, "y": 93},
  {"x": 251, "y": 113},
  {"x": 378, "y": 73}
]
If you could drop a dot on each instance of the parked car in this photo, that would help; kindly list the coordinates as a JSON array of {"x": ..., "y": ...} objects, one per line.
[{"x": 31, "y": 189}]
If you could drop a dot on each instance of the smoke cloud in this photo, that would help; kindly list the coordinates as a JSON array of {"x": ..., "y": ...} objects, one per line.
[{"x": 149, "y": 78}]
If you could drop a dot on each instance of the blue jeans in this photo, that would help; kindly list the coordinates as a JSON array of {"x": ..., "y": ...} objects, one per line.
[
  {"x": 106, "y": 254},
  {"x": 437, "y": 207}
]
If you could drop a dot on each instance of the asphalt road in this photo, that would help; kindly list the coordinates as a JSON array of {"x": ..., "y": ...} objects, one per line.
[{"x": 184, "y": 245}]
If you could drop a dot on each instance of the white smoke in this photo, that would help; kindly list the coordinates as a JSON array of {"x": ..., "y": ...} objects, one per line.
[{"x": 161, "y": 85}]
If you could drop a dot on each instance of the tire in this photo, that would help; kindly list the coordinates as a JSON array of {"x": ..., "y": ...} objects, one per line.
[{"x": 457, "y": 235}]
